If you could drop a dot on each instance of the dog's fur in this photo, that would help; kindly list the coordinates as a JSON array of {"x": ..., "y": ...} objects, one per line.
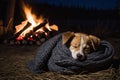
[{"x": 80, "y": 44}]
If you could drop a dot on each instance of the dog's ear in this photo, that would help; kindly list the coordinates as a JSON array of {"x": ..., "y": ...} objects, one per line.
[
  {"x": 66, "y": 36},
  {"x": 95, "y": 41}
]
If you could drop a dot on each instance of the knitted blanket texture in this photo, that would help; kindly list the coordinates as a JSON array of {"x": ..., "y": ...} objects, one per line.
[{"x": 56, "y": 57}]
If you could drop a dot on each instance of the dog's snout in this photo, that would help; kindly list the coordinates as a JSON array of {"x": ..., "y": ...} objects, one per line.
[{"x": 81, "y": 57}]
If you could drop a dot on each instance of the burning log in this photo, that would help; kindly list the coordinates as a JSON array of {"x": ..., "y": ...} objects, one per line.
[
  {"x": 39, "y": 26},
  {"x": 11, "y": 39},
  {"x": 31, "y": 32},
  {"x": 38, "y": 35},
  {"x": 17, "y": 34}
]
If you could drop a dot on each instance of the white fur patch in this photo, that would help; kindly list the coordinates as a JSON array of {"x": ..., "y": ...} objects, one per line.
[{"x": 80, "y": 51}]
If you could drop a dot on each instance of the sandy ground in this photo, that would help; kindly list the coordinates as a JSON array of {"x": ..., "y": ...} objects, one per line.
[{"x": 13, "y": 61}]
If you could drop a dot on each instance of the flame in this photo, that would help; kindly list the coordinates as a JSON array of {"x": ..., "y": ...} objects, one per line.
[
  {"x": 54, "y": 27},
  {"x": 34, "y": 21},
  {"x": 48, "y": 27},
  {"x": 21, "y": 26},
  {"x": 31, "y": 18}
]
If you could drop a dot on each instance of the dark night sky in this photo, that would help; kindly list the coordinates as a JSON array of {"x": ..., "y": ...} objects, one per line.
[{"x": 99, "y": 4}]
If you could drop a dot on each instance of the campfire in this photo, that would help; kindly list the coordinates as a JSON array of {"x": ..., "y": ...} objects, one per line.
[{"x": 32, "y": 30}]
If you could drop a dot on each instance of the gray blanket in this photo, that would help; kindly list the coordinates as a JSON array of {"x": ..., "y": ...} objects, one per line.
[{"x": 56, "y": 57}]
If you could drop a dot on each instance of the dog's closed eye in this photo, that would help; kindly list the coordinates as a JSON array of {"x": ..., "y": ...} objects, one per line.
[
  {"x": 86, "y": 50},
  {"x": 76, "y": 45}
]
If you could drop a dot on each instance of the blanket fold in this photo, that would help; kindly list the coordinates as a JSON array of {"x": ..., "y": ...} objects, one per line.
[{"x": 57, "y": 57}]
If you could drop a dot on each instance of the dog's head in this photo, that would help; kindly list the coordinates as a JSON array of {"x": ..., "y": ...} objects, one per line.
[{"x": 80, "y": 44}]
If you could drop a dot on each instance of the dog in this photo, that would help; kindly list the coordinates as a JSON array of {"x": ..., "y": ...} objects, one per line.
[{"x": 80, "y": 44}]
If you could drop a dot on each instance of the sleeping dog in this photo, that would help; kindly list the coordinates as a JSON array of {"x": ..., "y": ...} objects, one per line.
[{"x": 80, "y": 44}]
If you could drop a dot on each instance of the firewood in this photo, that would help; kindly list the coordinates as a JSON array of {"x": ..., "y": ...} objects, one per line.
[
  {"x": 41, "y": 35},
  {"x": 38, "y": 35},
  {"x": 17, "y": 34},
  {"x": 28, "y": 34},
  {"x": 39, "y": 26},
  {"x": 34, "y": 30}
]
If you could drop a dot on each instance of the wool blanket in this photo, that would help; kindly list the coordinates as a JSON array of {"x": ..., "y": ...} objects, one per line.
[{"x": 54, "y": 56}]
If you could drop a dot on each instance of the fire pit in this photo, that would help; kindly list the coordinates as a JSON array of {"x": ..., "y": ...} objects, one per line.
[{"x": 32, "y": 30}]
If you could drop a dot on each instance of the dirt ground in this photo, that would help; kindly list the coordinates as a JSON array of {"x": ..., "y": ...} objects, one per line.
[{"x": 13, "y": 61}]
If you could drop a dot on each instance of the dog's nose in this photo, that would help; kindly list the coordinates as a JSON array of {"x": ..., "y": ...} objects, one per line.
[{"x": 80, "y": 57}]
